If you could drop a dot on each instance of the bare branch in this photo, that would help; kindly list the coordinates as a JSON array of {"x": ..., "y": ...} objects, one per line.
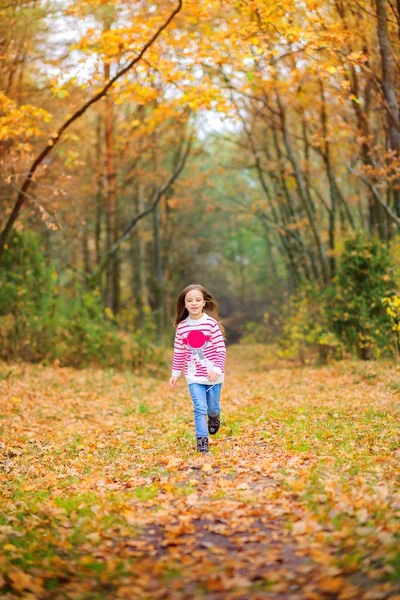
[
  {"x": 377, "y": 196},
  {"x": 107, "y": 256}
]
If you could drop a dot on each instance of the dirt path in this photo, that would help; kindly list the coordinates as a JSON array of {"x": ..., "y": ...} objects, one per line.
[{"x": 105, "y": 497}]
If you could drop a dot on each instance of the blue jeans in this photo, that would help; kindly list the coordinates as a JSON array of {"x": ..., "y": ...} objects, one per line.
[{"x": 205, "y": 401}]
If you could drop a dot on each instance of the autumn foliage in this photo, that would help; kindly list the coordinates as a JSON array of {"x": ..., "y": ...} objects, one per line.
[
  {"x": 252, "y": 147},
  {"x": 104, "y": 496},
  {"x": 96, "y": 128}
]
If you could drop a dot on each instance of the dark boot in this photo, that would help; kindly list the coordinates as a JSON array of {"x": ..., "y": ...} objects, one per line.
[
  {"x": 202, "y": 444},
  {"x": 213, "y": 425}
]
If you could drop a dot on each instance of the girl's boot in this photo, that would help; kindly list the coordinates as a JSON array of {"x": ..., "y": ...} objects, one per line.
[
  {"x": 213, "y": 425},
  {"x": 202, "y": 444}
]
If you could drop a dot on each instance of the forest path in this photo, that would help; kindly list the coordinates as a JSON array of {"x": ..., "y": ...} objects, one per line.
[{"x": 104, "y": 495}]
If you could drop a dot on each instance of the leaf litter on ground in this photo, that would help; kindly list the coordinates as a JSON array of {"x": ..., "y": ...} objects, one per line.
[{"x": 103, "y": 494}]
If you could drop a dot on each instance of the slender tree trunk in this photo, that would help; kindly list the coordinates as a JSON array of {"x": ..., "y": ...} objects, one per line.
[
  {"x": 331, "y": 179},
  {"x": 306, "y": 253},
  {"x": 158, "y": 269},
  {"x": 375, "y": 212},
  {"x": 271, "y": 266},
  {"x": 111, "y": 296},
  {"x": 398, "y": 17},
  {"x": 304, "y": 195},
  {"x": 389, "y": 90},
  {"x": 164, "y": 256},
  {"x": 116, "y": 285},
  {"x": 157, "y": 195},
  {"x": 138, "y": 250},
  {"x": 294, "y": 264},
  {"x": 85, "y": 245},
  {"x": 99, "y": 199}
]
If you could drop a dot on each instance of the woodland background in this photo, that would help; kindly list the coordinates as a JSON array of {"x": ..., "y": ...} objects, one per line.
[
  {"x": 247, "y": 145},
  {"x": 251, "y": 146}
]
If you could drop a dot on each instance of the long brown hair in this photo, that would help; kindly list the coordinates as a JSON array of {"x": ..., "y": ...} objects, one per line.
[{"x": 211, "y": 306}]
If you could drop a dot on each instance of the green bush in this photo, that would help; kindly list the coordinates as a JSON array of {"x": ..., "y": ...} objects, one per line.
[
  {"x": 82, "y": 334},
  {"x": 305, "y": 327},
  {"x": 45, "y": 317},
  {"x": 351, "y": 314},
  {"x": 25, "y": 297},
  {"x": 254, "y": 332},
  {"x": 355, "y": 308}
]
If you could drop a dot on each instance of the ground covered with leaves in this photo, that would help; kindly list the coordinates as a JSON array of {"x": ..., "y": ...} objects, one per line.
[{"x": 104, "y": 496}]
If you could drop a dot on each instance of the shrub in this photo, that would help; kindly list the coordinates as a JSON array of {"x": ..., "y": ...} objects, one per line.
[
  {"x": 355, "y": 308},
  {"x": 392, "y": 306},
  {"x": 258, "y": 332},
  {"x": 25, "y": 297},
  {"x": 44, "y": 317},
  {"x": 81, "y": 334},
  {"x": 305, "y": 327}
]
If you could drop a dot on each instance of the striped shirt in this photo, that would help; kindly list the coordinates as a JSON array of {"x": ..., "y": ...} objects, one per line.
[{"x": 199, "y": 347}]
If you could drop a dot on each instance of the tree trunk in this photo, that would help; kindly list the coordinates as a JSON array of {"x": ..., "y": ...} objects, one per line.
[
  {"x": 99, "y": 199},
  {"x": 85, "y": 246},
  {"x": 138, "y": 252},
  {"x": 111, "y": 295},
  {"x": 282, "y": 231},
  {"x": 389, "y": 90},
  {"x": 304, "y": 195},
  {"x": 158, "y": 270},
  {"x": 305, "y": 253},
  {"x": 375, "y": 213},
  {"x": 332, "y": 182}
]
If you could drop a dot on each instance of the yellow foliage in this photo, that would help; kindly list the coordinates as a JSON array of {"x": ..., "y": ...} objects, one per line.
[
  {"x": 392, "y": 304},
  {"x": 21, "y": 122}
]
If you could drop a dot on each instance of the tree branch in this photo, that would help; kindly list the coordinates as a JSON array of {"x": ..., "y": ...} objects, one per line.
[
  {"x": 377, "y": 196},
  {"x": 107, "y": 256},
  {"x": 21, "y": 199}
]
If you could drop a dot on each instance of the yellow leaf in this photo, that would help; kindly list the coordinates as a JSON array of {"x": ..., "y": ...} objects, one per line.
[
  {"x": 87, "y": 560},
  {"x": 330, "y": 584},
  {"x": 20, "y": 581},
  {"x": 9, "y": 547},
  {"x": 321, "y": 557}
]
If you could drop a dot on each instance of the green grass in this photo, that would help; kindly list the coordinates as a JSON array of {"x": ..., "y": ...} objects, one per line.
[
  {"x": 79, "y": 504},
  {"x": 318, "y": 447},
  {"x": 146, "y": 492}
]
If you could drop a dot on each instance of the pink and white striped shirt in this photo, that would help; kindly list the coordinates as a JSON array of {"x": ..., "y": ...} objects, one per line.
[{"x": 199, "y": 347}]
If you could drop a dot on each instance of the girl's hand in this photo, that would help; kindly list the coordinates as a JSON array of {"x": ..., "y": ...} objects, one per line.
[
  {"x": 213, "y": 376},
  {"x": 172, "y": 381}
]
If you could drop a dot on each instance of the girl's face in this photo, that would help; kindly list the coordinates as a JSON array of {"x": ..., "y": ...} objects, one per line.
[{"x": 194, "y": 302}]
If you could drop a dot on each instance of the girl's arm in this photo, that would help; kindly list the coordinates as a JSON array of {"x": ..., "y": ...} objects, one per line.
[
  {"x": 172, "y": 381},
  {"x": 219, "y": 345},
  {"x": 178, "y": 361}
]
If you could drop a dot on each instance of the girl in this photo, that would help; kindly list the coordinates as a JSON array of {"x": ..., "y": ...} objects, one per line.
[{"x": 199, "y": 350}]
